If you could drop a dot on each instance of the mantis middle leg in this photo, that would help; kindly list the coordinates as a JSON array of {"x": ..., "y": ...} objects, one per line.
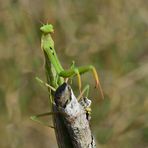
[{"x": 81, "y": 70}]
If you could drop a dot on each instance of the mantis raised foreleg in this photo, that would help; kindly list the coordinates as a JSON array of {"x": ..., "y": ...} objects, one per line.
[{"x": 47, "y": 44}]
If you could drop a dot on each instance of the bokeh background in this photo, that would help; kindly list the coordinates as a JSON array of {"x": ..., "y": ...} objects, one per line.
[{"x": 110, "y": 34}]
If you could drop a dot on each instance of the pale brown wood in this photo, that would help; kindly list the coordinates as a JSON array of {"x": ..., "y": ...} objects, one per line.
[{"x": 75, "y": 117}]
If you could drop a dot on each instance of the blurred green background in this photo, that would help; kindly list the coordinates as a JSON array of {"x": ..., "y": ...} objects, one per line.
[{"x": 110, "y": 34}]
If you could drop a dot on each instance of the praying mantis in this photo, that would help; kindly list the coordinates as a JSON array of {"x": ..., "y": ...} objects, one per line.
[
  {"x": 57, "y": 75},
  {"x": 47, "y": 45}
]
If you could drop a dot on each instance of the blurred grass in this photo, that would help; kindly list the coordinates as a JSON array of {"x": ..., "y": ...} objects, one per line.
[{"x": 112, "y": 35}]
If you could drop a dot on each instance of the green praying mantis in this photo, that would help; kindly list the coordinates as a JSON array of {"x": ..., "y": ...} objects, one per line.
[
  {"x": 57, "y": 75},
  {"x": 55, "y": 72},
  {"x": 47, "y": 45}
]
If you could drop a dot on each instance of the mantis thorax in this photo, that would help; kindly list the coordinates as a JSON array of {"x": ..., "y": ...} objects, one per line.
[{"x": 47, "y": 42}]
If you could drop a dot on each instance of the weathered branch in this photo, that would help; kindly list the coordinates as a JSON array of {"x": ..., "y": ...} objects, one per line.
[{"x": 75, "y": 117}]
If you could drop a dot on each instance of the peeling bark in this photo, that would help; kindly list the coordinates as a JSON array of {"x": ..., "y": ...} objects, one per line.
[{"x": 75, "y": 117}]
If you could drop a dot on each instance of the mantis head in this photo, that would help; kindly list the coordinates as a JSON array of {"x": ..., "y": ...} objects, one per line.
[{"x": 48, "y": 28}]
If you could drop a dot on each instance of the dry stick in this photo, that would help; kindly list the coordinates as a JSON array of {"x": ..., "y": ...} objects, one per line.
[{"x": 74, "y": 117}]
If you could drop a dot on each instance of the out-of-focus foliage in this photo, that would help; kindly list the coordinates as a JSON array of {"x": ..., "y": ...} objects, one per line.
[{"x": 110, "y": 34}]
